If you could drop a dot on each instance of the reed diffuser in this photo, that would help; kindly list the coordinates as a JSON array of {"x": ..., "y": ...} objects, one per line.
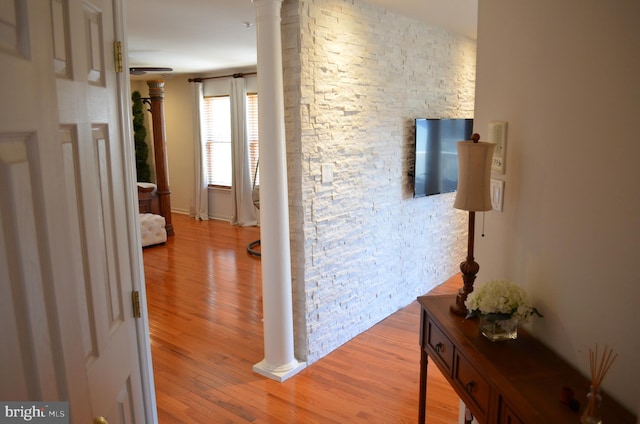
[{"x": 599, "y": 366}]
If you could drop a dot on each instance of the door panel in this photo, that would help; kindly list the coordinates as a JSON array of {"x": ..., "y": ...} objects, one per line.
[
  {"x": 14, "y": 36},
  {"x": 95, "y": 44},
  {"x": 61, "y": 40},
  {"x": 25, "y": 308},
  {"x": 69, "y": 139}
]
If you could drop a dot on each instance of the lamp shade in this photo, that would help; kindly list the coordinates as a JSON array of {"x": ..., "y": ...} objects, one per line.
[{"x": 474, "y": 175}]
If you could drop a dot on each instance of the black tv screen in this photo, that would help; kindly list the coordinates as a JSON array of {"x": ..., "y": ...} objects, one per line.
[{"x": 436, "y": 165}]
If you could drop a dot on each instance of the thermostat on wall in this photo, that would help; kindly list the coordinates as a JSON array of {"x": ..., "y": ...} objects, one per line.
[{"x": 498, "y": 135}]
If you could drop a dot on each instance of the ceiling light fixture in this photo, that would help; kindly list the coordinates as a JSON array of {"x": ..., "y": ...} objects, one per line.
[{"x": 141, "y": 70}]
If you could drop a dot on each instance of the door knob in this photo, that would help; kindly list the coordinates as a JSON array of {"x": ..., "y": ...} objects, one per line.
[{"x": 100, "y": 420}]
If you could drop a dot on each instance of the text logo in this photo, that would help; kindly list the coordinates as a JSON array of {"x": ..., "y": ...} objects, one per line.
[{"x": 34, "y": 412}]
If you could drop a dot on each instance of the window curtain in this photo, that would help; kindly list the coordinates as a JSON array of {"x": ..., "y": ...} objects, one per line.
[
  {"x": 199, "y": 208},
  {"x": 244, "y": 211}
]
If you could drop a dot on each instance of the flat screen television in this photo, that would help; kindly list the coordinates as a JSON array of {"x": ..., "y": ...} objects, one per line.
[{"x": 436, "y": 165}]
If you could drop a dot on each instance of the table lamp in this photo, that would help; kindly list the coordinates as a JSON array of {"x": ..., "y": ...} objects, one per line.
[{"x": 473, "y": 195}]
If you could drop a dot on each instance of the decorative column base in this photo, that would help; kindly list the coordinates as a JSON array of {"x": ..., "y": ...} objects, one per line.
[{"x": 280, "y": 373}]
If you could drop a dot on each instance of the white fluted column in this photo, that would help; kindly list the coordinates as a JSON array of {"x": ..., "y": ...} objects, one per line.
[{"x": 279, "y": 362}]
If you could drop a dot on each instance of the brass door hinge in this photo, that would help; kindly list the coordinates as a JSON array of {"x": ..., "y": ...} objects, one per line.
[
  {"x": 135, "y": 298},
  {"x": 117, "y": 55}
]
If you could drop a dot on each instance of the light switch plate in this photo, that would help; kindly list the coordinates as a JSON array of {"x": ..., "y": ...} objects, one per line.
[{"x": 497, "y": 194}]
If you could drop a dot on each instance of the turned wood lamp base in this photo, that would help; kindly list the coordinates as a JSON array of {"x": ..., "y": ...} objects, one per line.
[
  {"x": 469, "y": 269},
  {"x": 459, "y": 307}
]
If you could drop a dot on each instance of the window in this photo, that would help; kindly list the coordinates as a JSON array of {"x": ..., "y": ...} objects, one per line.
[{"x": 217, "y": 123}]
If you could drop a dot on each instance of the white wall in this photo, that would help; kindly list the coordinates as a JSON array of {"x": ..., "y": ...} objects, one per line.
[
  {"x": 178, "y": 114},
  {"x": 356, "y": 77},
  {"x": 566, "y": 76}
]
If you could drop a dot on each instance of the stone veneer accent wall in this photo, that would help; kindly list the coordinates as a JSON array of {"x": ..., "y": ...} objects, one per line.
[{"x": 356, "y": 76}]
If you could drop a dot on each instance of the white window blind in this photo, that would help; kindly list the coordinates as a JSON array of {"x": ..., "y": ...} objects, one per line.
[
  {"x": 217, "y": 115},
  {"x": 252, "y": 131},
  {"x": 217, "y": 146}
]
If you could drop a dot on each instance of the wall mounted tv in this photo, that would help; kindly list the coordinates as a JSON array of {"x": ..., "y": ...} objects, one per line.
[{"x": 436, "y": 166}]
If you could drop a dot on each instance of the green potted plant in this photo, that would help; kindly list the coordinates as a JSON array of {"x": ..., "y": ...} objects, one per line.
[{"x": 143, "y": 171}]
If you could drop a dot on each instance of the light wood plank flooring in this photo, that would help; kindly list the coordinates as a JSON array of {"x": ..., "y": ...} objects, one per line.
[{"x": 204, "y": 301}]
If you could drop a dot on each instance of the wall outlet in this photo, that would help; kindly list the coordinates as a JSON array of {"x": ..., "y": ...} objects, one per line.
[{"x": 326, "y": 171}]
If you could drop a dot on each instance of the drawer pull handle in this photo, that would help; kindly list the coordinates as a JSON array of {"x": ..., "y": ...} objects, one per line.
[
  {"x": 469, "y": 386},
  {"x": 439, "y": 347}
]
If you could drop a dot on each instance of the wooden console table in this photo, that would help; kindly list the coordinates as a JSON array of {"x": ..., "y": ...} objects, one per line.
[{"x": 509, "y": 382}]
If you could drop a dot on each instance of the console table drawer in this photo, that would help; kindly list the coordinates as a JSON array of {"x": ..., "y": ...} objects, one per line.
[
  {"x": 507, "y": 416},
  {"x": 440, "y": 346},
  {"x": 473, "y": 385}
]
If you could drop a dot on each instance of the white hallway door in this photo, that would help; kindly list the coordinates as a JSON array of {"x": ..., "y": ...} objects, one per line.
[{"x": 69, "y": 249}]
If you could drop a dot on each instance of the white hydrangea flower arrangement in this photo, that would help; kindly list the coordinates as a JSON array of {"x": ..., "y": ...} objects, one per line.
[{"x": 500, "y": 300}]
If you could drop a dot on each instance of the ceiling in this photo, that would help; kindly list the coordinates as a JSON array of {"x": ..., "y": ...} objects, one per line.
[{"x": 208, "y": 36}]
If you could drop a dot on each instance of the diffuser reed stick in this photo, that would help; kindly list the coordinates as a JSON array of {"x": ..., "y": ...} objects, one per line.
[{"x": 599, "y": 366}]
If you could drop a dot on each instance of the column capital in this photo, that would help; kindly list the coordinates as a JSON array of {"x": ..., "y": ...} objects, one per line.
[
  {"x": 156, "y": 88},
  {"x": 256, "y": 2},
  {"x": 263, "y": 6}
]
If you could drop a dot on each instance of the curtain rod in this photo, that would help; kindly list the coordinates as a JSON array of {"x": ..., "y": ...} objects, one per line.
[{"x": 238, "y": 75}]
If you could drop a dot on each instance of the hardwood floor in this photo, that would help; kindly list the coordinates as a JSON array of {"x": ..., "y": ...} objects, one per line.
[{"x": 204, "y": 302}]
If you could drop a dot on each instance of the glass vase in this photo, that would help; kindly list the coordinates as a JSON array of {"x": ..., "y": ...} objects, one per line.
[
  {"x": 591, "y": 414},
  {"x": 498, "y": 329}
]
